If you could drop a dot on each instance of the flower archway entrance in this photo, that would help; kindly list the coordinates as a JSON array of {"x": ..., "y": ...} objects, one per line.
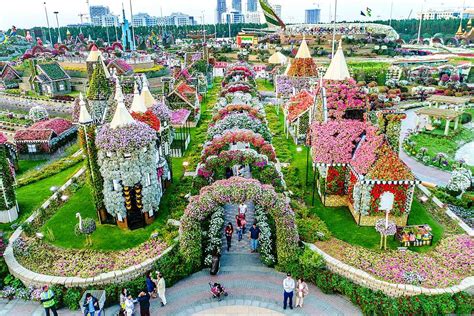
[{"x": 234, "y": 191}]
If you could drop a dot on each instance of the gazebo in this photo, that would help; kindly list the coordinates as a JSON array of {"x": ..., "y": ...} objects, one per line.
[
  {"x": 446, "y": 114},
  {"x": 448, "y": 101}
]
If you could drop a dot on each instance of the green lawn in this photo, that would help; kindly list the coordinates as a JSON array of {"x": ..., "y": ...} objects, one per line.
[
  {"x": 265, "y": 85},
  {"x": 31, "y": 196},
  {"x": 26, "y": 165},
  {"x": 110, "y": 237},
  {"x": 338, "y": 219}
]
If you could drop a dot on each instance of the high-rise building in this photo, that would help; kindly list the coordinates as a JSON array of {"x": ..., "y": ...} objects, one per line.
[
  {"x": 98, "y": 10},
  {"x": 251, "y": 5},
  {"x": 220, "y": 10},
  {"x": 237, "y": 5},
  {"x": 144, "y": 19},
  {"x": 105, "y": 20},
  {"x": 433, "y": 14},
  {"x": 312, "y": 16},
  {"x": 277, "y": 9},
  {"x": 233, "y": 17},
  {"x": 179, "y": 19},
  {"x": 252, "y": 17}
]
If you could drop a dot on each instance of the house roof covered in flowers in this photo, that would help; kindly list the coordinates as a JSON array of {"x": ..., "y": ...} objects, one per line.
[
  {"x": 360, "y": 145},
  {"x": 53, "y": 71},
  {"x": 3, "y": 139},
  {"x": 43, "y": 130},
  {"x": 179, "y": 117},
  {"x": 299, "y": 104},
  {"x": 187, "y": 93}
]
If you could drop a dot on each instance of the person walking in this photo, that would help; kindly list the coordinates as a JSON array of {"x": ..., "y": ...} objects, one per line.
[
  {"x": 242, "y": 209},
  {"x": 150, "y": 285},
  {"x": 229, "y": 230},
  {"x": 254, "y": 235},
  {"x": 238, "y": 223},
  {"x": 47, "y": 299},
  {"x": 144, "y": 301},
  {"x": 301, "y": 291},
  {"x": 161, "y": 288},
  {"x": 288, "y": 287},
  {"x": 91, "y": 304}
]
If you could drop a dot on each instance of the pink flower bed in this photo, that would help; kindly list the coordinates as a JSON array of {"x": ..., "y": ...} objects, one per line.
[{"x": 447, "y": 265}]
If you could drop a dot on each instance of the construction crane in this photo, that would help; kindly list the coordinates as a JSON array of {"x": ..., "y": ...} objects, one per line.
[{"x": 409, "y": 15}]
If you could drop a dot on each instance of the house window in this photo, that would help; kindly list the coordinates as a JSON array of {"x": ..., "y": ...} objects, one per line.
[
  {"x": 127, "y": 155},
  {"x": 116, "y": 184},
  {"x": 148, "y": 179},
  {"x": 31, "y": 148},
  {"x": 61, "y": 87}
]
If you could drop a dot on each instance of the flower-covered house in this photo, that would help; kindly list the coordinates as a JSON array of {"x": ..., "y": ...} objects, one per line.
[
  {"x": 300, "y": 73},
  {"x": 355, "y": 165},
  {"x": 129, "y": 165},
  {"x": 44, "y": 137},
  {"x": 298, "y": 112},
  {"x": 51, "y": 79},
  {"x": 185, "y": 96},
  {"x": 9, "y": 77}
]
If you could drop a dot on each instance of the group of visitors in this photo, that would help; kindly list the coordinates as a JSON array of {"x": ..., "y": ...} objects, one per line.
[
  {"x": 289, "y": 288},
  {"x": 241, "y": 222},
  {"x": 154, "y": 288}
]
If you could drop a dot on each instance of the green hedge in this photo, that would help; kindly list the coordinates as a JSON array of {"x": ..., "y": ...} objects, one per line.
[{"x": 49, "y": 170}]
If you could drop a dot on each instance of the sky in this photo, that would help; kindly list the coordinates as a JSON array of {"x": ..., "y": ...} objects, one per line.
[{"x": 29, "y": 13}]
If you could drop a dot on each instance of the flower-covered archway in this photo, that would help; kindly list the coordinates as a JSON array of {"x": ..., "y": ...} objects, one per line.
[
  {"x": 262, "y": 170},
  {"x": 240, "y": 121},
  {"x": 234, "y": 191},
  {"x": 222, "y": 142},
  {"x": 253, "y": 111}
]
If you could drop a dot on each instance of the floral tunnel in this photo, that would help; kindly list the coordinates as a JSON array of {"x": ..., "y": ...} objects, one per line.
[
  {"x": 236, "y": 190},
  {"x": 262, "y": 169}
]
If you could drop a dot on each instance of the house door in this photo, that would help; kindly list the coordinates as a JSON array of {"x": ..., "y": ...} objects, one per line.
[{"x": 134, "y": 206}]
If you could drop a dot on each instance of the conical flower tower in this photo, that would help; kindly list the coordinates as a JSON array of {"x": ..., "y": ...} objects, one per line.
[
  {"x": 303, "y": 65},
  {"x": 128, "y": 163},
  {"x": 148, "y": 98}
]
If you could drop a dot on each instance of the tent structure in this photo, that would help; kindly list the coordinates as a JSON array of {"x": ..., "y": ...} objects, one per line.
[
  {"x": 121, "y": 117},
  {"x": 277, "y": 59},
  {"x": 337, "y": 70}
]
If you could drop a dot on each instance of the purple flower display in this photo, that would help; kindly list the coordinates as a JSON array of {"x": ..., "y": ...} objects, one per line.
[{"x": 126, "y": 139}]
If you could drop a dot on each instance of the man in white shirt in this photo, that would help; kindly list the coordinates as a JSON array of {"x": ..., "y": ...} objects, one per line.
[{"x": 288, "y": 287}]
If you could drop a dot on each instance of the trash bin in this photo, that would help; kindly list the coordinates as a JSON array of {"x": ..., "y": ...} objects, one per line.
[{"x": 215, "y": 265}]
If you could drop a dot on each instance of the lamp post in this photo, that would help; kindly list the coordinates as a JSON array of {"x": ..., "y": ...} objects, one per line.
[
  {"x": 133, "y": 28},
  {"x": 57, "y": 23},
  {"x": 47, "y": 22},
  {"x": 334, "y": 30}
]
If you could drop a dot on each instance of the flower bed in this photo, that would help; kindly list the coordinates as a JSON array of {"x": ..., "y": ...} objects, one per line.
[
  {"x": 125, "y": 139},
  {"x": 240, "y": 121},
  {"x": 222, "y": 142},
  {"x": 447, "y": 265},
  {"x": 252, "y": 111},
  {"x": 46, "y": 259}
]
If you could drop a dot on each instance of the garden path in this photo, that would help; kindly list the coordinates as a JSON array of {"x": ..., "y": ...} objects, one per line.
[{"x": 422, "y": 172}]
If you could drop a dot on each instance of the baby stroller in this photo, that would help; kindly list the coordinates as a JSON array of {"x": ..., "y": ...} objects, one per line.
[{"x": 217, "y": 291}]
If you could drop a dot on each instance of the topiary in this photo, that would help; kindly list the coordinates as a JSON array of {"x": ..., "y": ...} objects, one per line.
[{"x": 88, "y": 227}]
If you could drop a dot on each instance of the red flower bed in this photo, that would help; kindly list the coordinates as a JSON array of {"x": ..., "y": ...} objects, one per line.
[
  {"x": 299, "y": 103},
  {"x": 148, "y": 118},
  {"x": 400, "y": 196},
  {"x": 252, "y": 111},
  {"x": 350, "y": 189},
  {"x": 335, "y": 180}
]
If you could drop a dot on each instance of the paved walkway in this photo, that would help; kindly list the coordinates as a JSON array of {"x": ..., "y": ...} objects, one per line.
[{"x": 422, "y": 172}]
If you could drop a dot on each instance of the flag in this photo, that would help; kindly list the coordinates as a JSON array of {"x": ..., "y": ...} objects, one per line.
[
  {"x": 270, "y": 16},
  {"x": 368, "y": 11},
  {"x": 362, "y": 13}
]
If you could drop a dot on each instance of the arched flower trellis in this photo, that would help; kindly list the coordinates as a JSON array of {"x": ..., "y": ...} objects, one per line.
[
  {"x": 222, "y": 142},
  {"x": 237, "y": 190},
  {"x": 240, "y": 121},
  {"x": 256, "y": 112},
  {"x": 262, "y": 170},
  {"x": 239, "y": 86}
]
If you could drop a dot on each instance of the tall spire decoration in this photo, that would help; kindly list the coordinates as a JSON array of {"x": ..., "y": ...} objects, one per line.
[{"x": 84, "y": 116}]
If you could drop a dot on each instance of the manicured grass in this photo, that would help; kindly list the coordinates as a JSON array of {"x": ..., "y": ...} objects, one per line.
[
  {"x": 26, "y": 165},
  {"x": 31, "y": 196},
  {"x": 338, "y": 219},
  {"x": 264, "y": 85}
]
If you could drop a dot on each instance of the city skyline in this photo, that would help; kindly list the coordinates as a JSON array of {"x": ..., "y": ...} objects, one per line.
[{"x": 294, "y": 13}]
